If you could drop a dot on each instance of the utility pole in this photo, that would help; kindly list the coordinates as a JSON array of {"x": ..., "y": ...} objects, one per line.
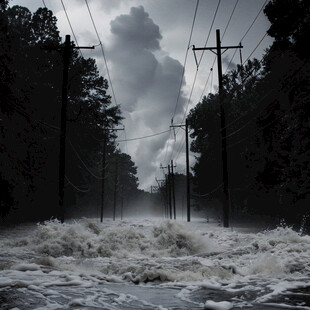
[
  {"x": 115, "y": 188},
  {"x": 167, "y": 190},
  {"x": 63, "y": 126},
  {"x": 188, "y": 189},
  {"x": 218, "y": 52},
  {"x": 160, "y": 187},
  {"x": 122, "y": 201},
  {"x": 173, "y": 190},
  {"x": 66, "y": 49},
  {"x": 105, "y": 134},
  {"x": 103, "y": 173}
]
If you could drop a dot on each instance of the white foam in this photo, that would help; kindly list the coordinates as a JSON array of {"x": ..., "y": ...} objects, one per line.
[
  {"x": 83, "y": 254},
  {"x": 221, "y": 305}
]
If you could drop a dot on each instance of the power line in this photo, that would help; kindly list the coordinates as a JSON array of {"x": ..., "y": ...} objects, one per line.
[
  {"x": 71, "y": 26},
  {"x": 261, "y": 40},
  {"x": 223, "y": 35},
  {"x": 102, "y": 51},
  {"x": 229, "y": 20},
  {"x": 166, "y": 153},
  {"x": 209, "y": 193},
  {"x": 83, "y": 163},
  {"x": 27, "y": 115},
  {"x": 254, "y": 21},
  {"x": 126, "y": 140},
  {"x": 252, "y": 118},
  {"x": 195, "y": 78},
  {"x": 247, "y": 31},
  {"x": 144, "y": 137},
  {"x": 210, "y": 75},
  {"x": 214, "y": 16},
  {"x": 76, "y": 187},
  {"x": 185, "y": 59}
]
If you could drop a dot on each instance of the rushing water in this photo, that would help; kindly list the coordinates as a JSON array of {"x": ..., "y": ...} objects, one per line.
[{"x": 152, "y": 264}]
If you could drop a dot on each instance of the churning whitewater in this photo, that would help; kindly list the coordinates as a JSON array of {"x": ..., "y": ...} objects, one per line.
[{"x": 152, "y": 264}]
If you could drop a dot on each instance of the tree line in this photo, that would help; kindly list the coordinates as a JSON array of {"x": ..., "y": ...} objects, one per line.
[
  {"x": 30, "y": 95},
  {"x": 267, "y": 121}
]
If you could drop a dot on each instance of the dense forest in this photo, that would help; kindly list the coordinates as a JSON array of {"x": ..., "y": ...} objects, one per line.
[
  {"x": 30, "y": 94},
  {"x": 267, "y": 122}
]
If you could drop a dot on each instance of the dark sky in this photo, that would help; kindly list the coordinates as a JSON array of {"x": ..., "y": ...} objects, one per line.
[{"x": 145, "y": 43}]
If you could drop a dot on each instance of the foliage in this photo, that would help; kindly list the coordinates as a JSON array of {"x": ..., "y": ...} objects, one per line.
[
  {"x": 267, "y": 123},
  {"x": 30, "y": 93}
]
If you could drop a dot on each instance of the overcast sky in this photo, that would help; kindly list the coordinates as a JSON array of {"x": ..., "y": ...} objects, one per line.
[{"x": 145, "y": 43}]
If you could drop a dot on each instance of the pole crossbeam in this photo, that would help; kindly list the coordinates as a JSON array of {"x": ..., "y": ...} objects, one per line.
[{"x": 215, "y": 48}]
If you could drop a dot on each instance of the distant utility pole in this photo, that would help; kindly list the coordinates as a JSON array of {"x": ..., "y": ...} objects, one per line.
[
  {"x": 115, "y": 188},
  {"x": 122, "y": 201},
  {"x": 103, "y": 173},
  {"x": 170, "y": 196},
  {"x": 218, "y": 52},
  {"x": 105, "y": 133},
  {"x": 187, "y": 169},
  {"x": 173, "y": 190},
  {"x": 66, "y": 49},
  {"x": 167, "y": 190},
  {"x": 160, "y": 187}
]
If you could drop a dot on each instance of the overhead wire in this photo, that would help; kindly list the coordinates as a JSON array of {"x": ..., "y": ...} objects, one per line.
[
  {"x": 27, "y": 115},
  {"x": 73, "y": 33},
  {"x": 143, "y": 137},
  {"x": 253, "y": 22},
  {"x": 248, "y": 30},
  {"x": 76, "y": 187},
  {"x": 209, "y": 193},
  {"x": 183, "y": 73},
  {"x": 207, "y": 39},
  {"x": 211, "y": 71},
  {"x": 185, "y": 59},
  {"x": 102, "y": 51},
  {"x": 223, "y": 35},
  {"x": 256, "y": 47},
  {"x": 195, "y": 77},
  {"x": 83, "y": 163}
]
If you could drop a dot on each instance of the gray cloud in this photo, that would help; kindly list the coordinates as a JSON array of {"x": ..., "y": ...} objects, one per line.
[
  {"x": 136, "y": 30},
  {"x": 146, "y": 81}
]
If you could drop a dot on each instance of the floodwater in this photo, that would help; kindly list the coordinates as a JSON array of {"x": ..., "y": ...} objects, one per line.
[{"x": 152, "y": 264}]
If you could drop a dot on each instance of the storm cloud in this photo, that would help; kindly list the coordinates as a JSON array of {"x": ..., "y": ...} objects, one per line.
[{"x": 146, "y": 81}]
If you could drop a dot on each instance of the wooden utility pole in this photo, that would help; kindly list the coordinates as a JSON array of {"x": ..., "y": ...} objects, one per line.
[
  {"x": 122, "y": 201},
  {"x": 105, "y": 134},
  {"x": 173, "y": 190},
  {"x": 160, "y": 188},
  {"x": 103, "y": 173},
  {"x": 218, "y": 52},
  {"x": 169, "y": 192},
  {"x": 63, "y": 126},
  {"x": 66, "y": 49},
  {"x": 115, "y": 189},
  {"x": 188, "y": 189}
]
